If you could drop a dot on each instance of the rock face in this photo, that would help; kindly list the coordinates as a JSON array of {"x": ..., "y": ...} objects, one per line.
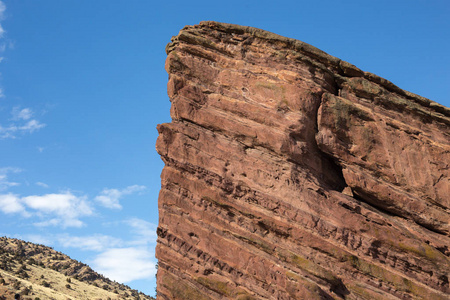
[{"x": 291, "y": 174}]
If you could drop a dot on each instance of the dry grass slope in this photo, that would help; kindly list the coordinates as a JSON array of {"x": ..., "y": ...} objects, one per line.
[{"x": 37, "y": 272}]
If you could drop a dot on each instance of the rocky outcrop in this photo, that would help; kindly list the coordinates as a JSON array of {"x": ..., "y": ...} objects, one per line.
[{"x": 291, "y": 174}]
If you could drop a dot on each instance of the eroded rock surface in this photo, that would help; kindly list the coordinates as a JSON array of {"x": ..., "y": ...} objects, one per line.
[{"x": 290, "y": 174}]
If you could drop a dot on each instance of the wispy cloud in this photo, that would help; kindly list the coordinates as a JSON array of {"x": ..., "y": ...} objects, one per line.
[
  {"x": 144, "y": 231},
  {"x": 4, "y": 182},
  {"x": 97, "y": 242},
  {"x": 2, "y": 16},
  {"x": 34, "y": 238},
  {"x": 141, "y": 233},
  {"x": 31, "y": 126},
  {"x": 37, "y": 239},
  {"x": 21, "y": 123},
  {"x": 109, "y": 198},
  {"x": 21, "y": 114},
  {"x": 2, "y": 34},
  {"x": 41, "y": 184}
]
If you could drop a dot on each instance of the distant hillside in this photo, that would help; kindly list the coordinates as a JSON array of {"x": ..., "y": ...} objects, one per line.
[{"x": 37, "y": 272}]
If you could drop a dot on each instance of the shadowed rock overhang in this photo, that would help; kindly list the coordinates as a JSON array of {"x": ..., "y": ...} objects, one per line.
[{"x": 291, "y": 174}]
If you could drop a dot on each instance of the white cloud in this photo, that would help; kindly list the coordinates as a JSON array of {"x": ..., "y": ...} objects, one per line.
[
  {"x": 11, "y": 204},
  {"x": 2, "y": 95},
  {"x": 125, "y": 264},
  {"x": 109, "y": 198},
  {"x": 63, "y": 209},
  {"x": 57, "y": 209},
  {"x": 66, "y": 208},
  {"x": 97, "y": 242},
  {"x": 58, "y": 203}
]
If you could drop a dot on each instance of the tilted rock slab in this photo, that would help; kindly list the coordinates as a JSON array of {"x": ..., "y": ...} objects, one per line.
[{"x": 291, "y": 174}]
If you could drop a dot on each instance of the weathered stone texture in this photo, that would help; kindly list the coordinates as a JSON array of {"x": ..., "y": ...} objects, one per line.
[{"x": 290, "y": 174}]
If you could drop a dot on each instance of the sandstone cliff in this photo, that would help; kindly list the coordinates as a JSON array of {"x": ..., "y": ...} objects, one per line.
[{"x": 291, "y": 174}]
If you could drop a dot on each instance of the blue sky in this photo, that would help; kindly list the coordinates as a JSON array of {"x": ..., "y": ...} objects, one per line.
[{"x": 83, "y": 86}]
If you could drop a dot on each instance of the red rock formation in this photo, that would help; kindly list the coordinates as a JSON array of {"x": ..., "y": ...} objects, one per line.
[{"x": 290, "y": 174}]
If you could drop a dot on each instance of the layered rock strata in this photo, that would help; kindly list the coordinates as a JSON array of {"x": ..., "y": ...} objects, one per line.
[{"x": 291, "y": 174}]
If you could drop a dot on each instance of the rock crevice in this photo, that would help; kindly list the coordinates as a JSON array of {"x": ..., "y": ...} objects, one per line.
[{"x": 291, "y": 174}]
